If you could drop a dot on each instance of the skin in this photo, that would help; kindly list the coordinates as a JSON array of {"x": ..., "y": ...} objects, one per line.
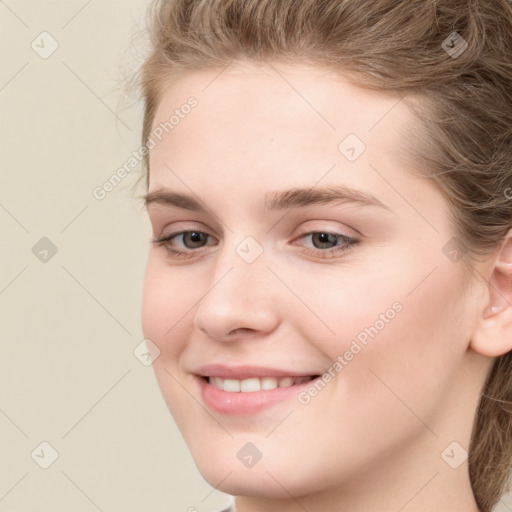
[{"x": 372, "y": 439}]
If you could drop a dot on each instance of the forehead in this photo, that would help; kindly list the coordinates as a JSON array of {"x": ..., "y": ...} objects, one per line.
[
  {"x": 270, "y": 96},
  {"x": 289, "y": 122}
]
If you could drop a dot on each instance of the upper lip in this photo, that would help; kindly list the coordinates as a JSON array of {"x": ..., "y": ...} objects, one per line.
[{"x": 246, "y": 372}]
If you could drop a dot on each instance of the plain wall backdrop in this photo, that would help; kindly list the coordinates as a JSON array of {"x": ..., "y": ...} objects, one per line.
[{"x": 83, "y": 425}]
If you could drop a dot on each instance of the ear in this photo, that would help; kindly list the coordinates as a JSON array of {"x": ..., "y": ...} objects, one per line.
[{"x": 493, "y": 334}]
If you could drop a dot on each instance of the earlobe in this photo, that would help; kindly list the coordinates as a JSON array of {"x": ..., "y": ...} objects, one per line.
[{"x": 493, "y": 333}]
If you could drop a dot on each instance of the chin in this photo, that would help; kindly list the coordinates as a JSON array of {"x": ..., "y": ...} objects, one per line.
[
  {"x": 273, "y": 476},
  {"x": 248, "y": 482}
]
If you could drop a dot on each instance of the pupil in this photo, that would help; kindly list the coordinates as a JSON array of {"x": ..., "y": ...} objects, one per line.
[
  {"x": 195, "y": 237},
  {"x": 325, "y": 238}
]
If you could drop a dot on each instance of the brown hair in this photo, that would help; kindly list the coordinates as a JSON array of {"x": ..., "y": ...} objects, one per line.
[{"x": 401, "y": 46}]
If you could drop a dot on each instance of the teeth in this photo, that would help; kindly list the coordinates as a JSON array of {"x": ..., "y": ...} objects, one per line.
[
  {"x": 255, "y": 384},
  {"x": 248, "y": 385},
  {"x": 286, "y": 382},
  {"x": 217, "y": 382},
  {"x": 231, "y": 385},
  {"x": 268, "y": 383}
]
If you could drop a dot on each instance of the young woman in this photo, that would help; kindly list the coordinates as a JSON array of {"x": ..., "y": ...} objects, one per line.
[{"x": 329, "y": 184}]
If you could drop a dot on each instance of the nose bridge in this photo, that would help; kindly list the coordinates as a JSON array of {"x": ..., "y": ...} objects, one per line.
[
  {"x": 242, "y": 264},
  {"x": 238, "y": 295}
]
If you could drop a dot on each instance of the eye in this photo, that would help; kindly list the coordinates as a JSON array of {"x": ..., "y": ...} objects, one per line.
[
  {"x": 327, "y": 244},
  {"x": 190, "y": 239}
]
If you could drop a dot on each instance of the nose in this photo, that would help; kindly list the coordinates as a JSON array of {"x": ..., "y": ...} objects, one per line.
[{"x": 239, "y": 300}]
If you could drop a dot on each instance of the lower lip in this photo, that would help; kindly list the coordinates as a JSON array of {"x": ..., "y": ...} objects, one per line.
[{"x": 226, "y": 402}]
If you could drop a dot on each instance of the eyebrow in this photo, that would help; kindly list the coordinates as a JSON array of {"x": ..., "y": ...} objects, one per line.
[{"x": 275, "y": 201}]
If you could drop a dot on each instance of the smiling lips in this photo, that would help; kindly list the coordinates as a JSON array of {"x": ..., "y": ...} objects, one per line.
[{"x": 238, "y": 390}]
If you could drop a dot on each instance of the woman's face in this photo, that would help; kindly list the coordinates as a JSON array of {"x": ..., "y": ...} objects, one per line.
[{"x": 311, "y": 249}]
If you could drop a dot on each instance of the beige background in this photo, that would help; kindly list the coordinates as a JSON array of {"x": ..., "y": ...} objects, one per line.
[{"x": 71, "y": 320}]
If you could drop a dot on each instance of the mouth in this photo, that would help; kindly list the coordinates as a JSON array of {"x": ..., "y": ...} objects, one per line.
[
  {"x": 236, "y": 391},
  {"x": 246, "y": 389},
  {"x": 254, "y": 384}
]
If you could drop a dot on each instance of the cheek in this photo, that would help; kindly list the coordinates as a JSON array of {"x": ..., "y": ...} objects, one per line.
[
  {"x": 167, "y": 298},
  {"x": 399, "y": 328},
  {"x": 409, "y": 363},
  {"x": 164, "y": 321}
]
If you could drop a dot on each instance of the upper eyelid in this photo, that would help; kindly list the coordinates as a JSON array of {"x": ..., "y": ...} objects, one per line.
[{"x": 338, "y": 231}]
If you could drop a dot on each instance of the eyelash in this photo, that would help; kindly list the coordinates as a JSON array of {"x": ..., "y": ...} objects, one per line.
[{"x": 349, "y": 242}]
